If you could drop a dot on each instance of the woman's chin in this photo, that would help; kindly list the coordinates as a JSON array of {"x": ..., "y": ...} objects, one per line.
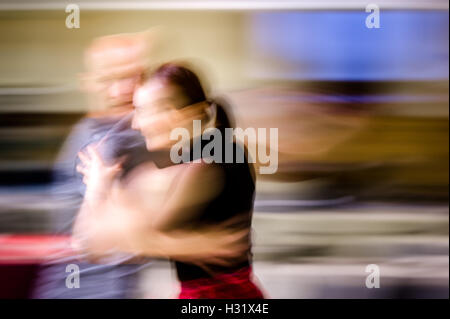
[{"x": 155, "y": 143}]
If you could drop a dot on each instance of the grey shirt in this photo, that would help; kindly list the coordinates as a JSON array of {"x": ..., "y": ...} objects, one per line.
[{"x": 115, "y": 277}]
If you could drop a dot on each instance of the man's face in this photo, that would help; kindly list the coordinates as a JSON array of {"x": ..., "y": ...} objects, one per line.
[
  {"x": 115, "y": 66},
  {"x": 118, "y": 91}
]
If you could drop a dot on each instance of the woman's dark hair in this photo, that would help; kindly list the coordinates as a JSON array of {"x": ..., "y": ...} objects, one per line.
[
  {"x": 184, "y": 79},
  {"x": 190, "y": 86}
]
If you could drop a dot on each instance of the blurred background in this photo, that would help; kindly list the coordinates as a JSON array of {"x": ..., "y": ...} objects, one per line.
[{"x": 362, "y": 115}]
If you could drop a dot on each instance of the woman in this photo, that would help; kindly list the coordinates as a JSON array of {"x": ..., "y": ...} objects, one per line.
[{"x": 169, "y": 198}]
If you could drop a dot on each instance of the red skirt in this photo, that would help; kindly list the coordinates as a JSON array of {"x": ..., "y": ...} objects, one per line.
[{"x": 235, "y": 285}]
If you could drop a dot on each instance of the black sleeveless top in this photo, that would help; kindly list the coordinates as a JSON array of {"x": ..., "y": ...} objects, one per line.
[{"x": 235, "y": 199}]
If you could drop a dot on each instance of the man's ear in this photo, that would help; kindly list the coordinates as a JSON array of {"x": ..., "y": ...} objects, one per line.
[{"x": 87, "y": 82}]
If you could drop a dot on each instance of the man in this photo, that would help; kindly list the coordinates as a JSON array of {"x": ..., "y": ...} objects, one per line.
[{"x": 114, "y": 66}]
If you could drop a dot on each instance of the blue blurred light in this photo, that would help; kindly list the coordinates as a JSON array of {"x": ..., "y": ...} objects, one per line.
[{"x": 409, "y": 45}]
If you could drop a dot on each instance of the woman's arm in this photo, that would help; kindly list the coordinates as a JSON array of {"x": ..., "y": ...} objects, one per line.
[
  {"x": 101, "y": 227},
  {"x": 110, "y": 218}
]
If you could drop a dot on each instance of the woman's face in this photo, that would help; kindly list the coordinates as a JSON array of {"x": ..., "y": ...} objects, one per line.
[{"x": 157, "y": 115}]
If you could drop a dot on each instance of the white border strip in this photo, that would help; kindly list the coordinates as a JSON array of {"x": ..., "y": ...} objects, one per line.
[{"x": 231, "y": 5}]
